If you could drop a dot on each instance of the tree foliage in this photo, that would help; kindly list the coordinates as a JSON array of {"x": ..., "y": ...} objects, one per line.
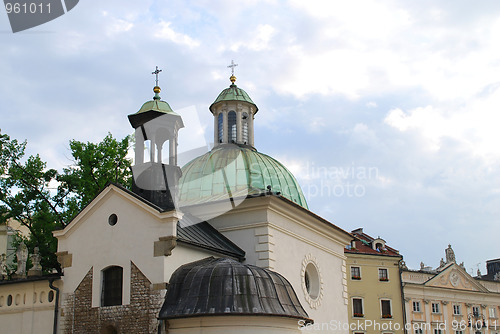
[
  {"x": 94, "y": 166},
  {"x": 44, "y": 199}
]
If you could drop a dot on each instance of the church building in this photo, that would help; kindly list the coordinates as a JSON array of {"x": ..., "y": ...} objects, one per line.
[{"x": 224, "y": 244}]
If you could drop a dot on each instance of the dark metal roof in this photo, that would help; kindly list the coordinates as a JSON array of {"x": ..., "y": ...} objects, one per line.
[
  {"x": 206, "y": 236},
  {"x": 221, "y": 287}
]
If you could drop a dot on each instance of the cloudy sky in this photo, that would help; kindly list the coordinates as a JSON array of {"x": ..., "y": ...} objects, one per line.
[{"x": 387, "y": 111}]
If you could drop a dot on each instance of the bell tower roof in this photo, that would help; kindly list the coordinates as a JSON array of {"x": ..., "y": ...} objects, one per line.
[
  {"x": 150, "y": 110},
  {"x": 233, "y": 93}
]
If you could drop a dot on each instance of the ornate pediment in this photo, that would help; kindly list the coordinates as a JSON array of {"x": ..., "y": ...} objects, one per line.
[{"x": 454, "y": 277}]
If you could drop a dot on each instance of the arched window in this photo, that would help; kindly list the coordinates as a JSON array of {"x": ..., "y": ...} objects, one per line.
[
  {"x": 220, "y": 121},
  {"x": 231, "y": 127},
  {"x": 148, "y": 147},
  {"x": 244, "y": 122},
  {"x": 112, "y": 286}
]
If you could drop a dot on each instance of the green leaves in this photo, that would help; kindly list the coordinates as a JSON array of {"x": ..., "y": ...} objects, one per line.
[
  {"x": 43, "y": 199},
  {"x": 95, "y": 165}
]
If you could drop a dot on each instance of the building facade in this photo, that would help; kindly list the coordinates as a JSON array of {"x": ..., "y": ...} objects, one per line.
[
  {"x": 447, "y": 300},
  {"x": 374, "y": 285}
]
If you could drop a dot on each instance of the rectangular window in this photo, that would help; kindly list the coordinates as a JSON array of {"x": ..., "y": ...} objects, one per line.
[
  {"x": 418, "y": 331},
  {"x": 386, "y": 308},
  {"x": 357, "y": 307},
  {"x": 457, "y": 310},
  {"x": 382, "y": 275},
  {"x": 416, "y": 307},
  {"x": 435, "y": 307},
  {"x": 355, "y": 273},
  {"x": 459, "y": 332},
  {"x": 437, "y": 331},
  {"x": 475, "y": 311},
  {"x": 493, "y": 313}
]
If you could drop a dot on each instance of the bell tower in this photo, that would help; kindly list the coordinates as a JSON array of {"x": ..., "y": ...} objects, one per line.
[
  {"x": 156, "y": 174},
  {"x": 234, "y": 113}
]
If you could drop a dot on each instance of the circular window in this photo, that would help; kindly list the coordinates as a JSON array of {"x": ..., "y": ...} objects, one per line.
[
  {"x": 18, "y": 299},
  {"x": 311, "y": 280},
  {"x": 113, "y": 219},
  {"x": 51, "y": 296},
  {"x": 34, "y": 297},
  {"x": 1, "y": 301},
  {"x": 9, "y": 300},
  {"x": 312, "y": 284}
]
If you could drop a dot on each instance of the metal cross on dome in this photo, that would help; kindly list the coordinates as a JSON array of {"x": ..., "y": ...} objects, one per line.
[
  {"x": 232, "y": 66},
  {"x": 156, "y": 73}
]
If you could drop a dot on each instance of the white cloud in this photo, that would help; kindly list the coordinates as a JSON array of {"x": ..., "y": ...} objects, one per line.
[
  {"x": 164, "y": 31},
  {"x": 473, "y": 125},
  {"x": 118, "y": 26},
  {"x": 258, "y": 40},
  {"x": 384, "y": 48}
]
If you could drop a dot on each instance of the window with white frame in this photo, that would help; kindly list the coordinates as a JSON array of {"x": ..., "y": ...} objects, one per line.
[
  {"x": 416, "y": 306},
  {"x": 459, "y": 332},
  {"x": 385, "y": 305},
  {"x": 357, "y": 307},
  {"x": 475, "y": 311},
  {"x": 356, "y": 273},
  {"x": 382, "y": 274},
  {"x": 492, "y": 312},
  {"x": 457, "y": 310},
  {"x": 435, "y": 307}
]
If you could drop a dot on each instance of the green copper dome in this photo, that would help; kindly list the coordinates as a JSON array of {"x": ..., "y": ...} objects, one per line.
[
  {"x": 233, "y": 93},
  {"x": 231, "y": 171}
]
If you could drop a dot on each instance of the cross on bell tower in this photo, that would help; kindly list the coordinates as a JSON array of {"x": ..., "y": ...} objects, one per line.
[
  {"x": 156, "y": 73},
  {"x": 232, "y": 66},
  {"x": 156, "y": 88}
]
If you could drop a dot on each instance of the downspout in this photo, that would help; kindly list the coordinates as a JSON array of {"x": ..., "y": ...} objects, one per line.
[
  {"x": 56, "y": 307},
  {"x": 405, "y": 331}
]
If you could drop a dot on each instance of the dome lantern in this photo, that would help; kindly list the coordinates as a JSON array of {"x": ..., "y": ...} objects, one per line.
[{"x": 234, "y": 113}]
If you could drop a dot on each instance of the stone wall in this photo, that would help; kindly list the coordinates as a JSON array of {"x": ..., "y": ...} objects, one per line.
[{"x": 140, "y": 316}]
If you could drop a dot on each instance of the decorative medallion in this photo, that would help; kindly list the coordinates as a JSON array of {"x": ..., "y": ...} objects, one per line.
[
  {"x": 454, "y": 279},
  {"x": 312, "y": 281}
]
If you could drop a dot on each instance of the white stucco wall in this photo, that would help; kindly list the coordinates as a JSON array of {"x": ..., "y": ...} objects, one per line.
[
  {"x": 94, "y": 243},
  {"x": 30, "y": 312}
]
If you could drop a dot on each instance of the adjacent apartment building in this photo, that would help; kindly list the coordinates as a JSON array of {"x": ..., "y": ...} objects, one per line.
[{"x": 374, "y": 286}]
